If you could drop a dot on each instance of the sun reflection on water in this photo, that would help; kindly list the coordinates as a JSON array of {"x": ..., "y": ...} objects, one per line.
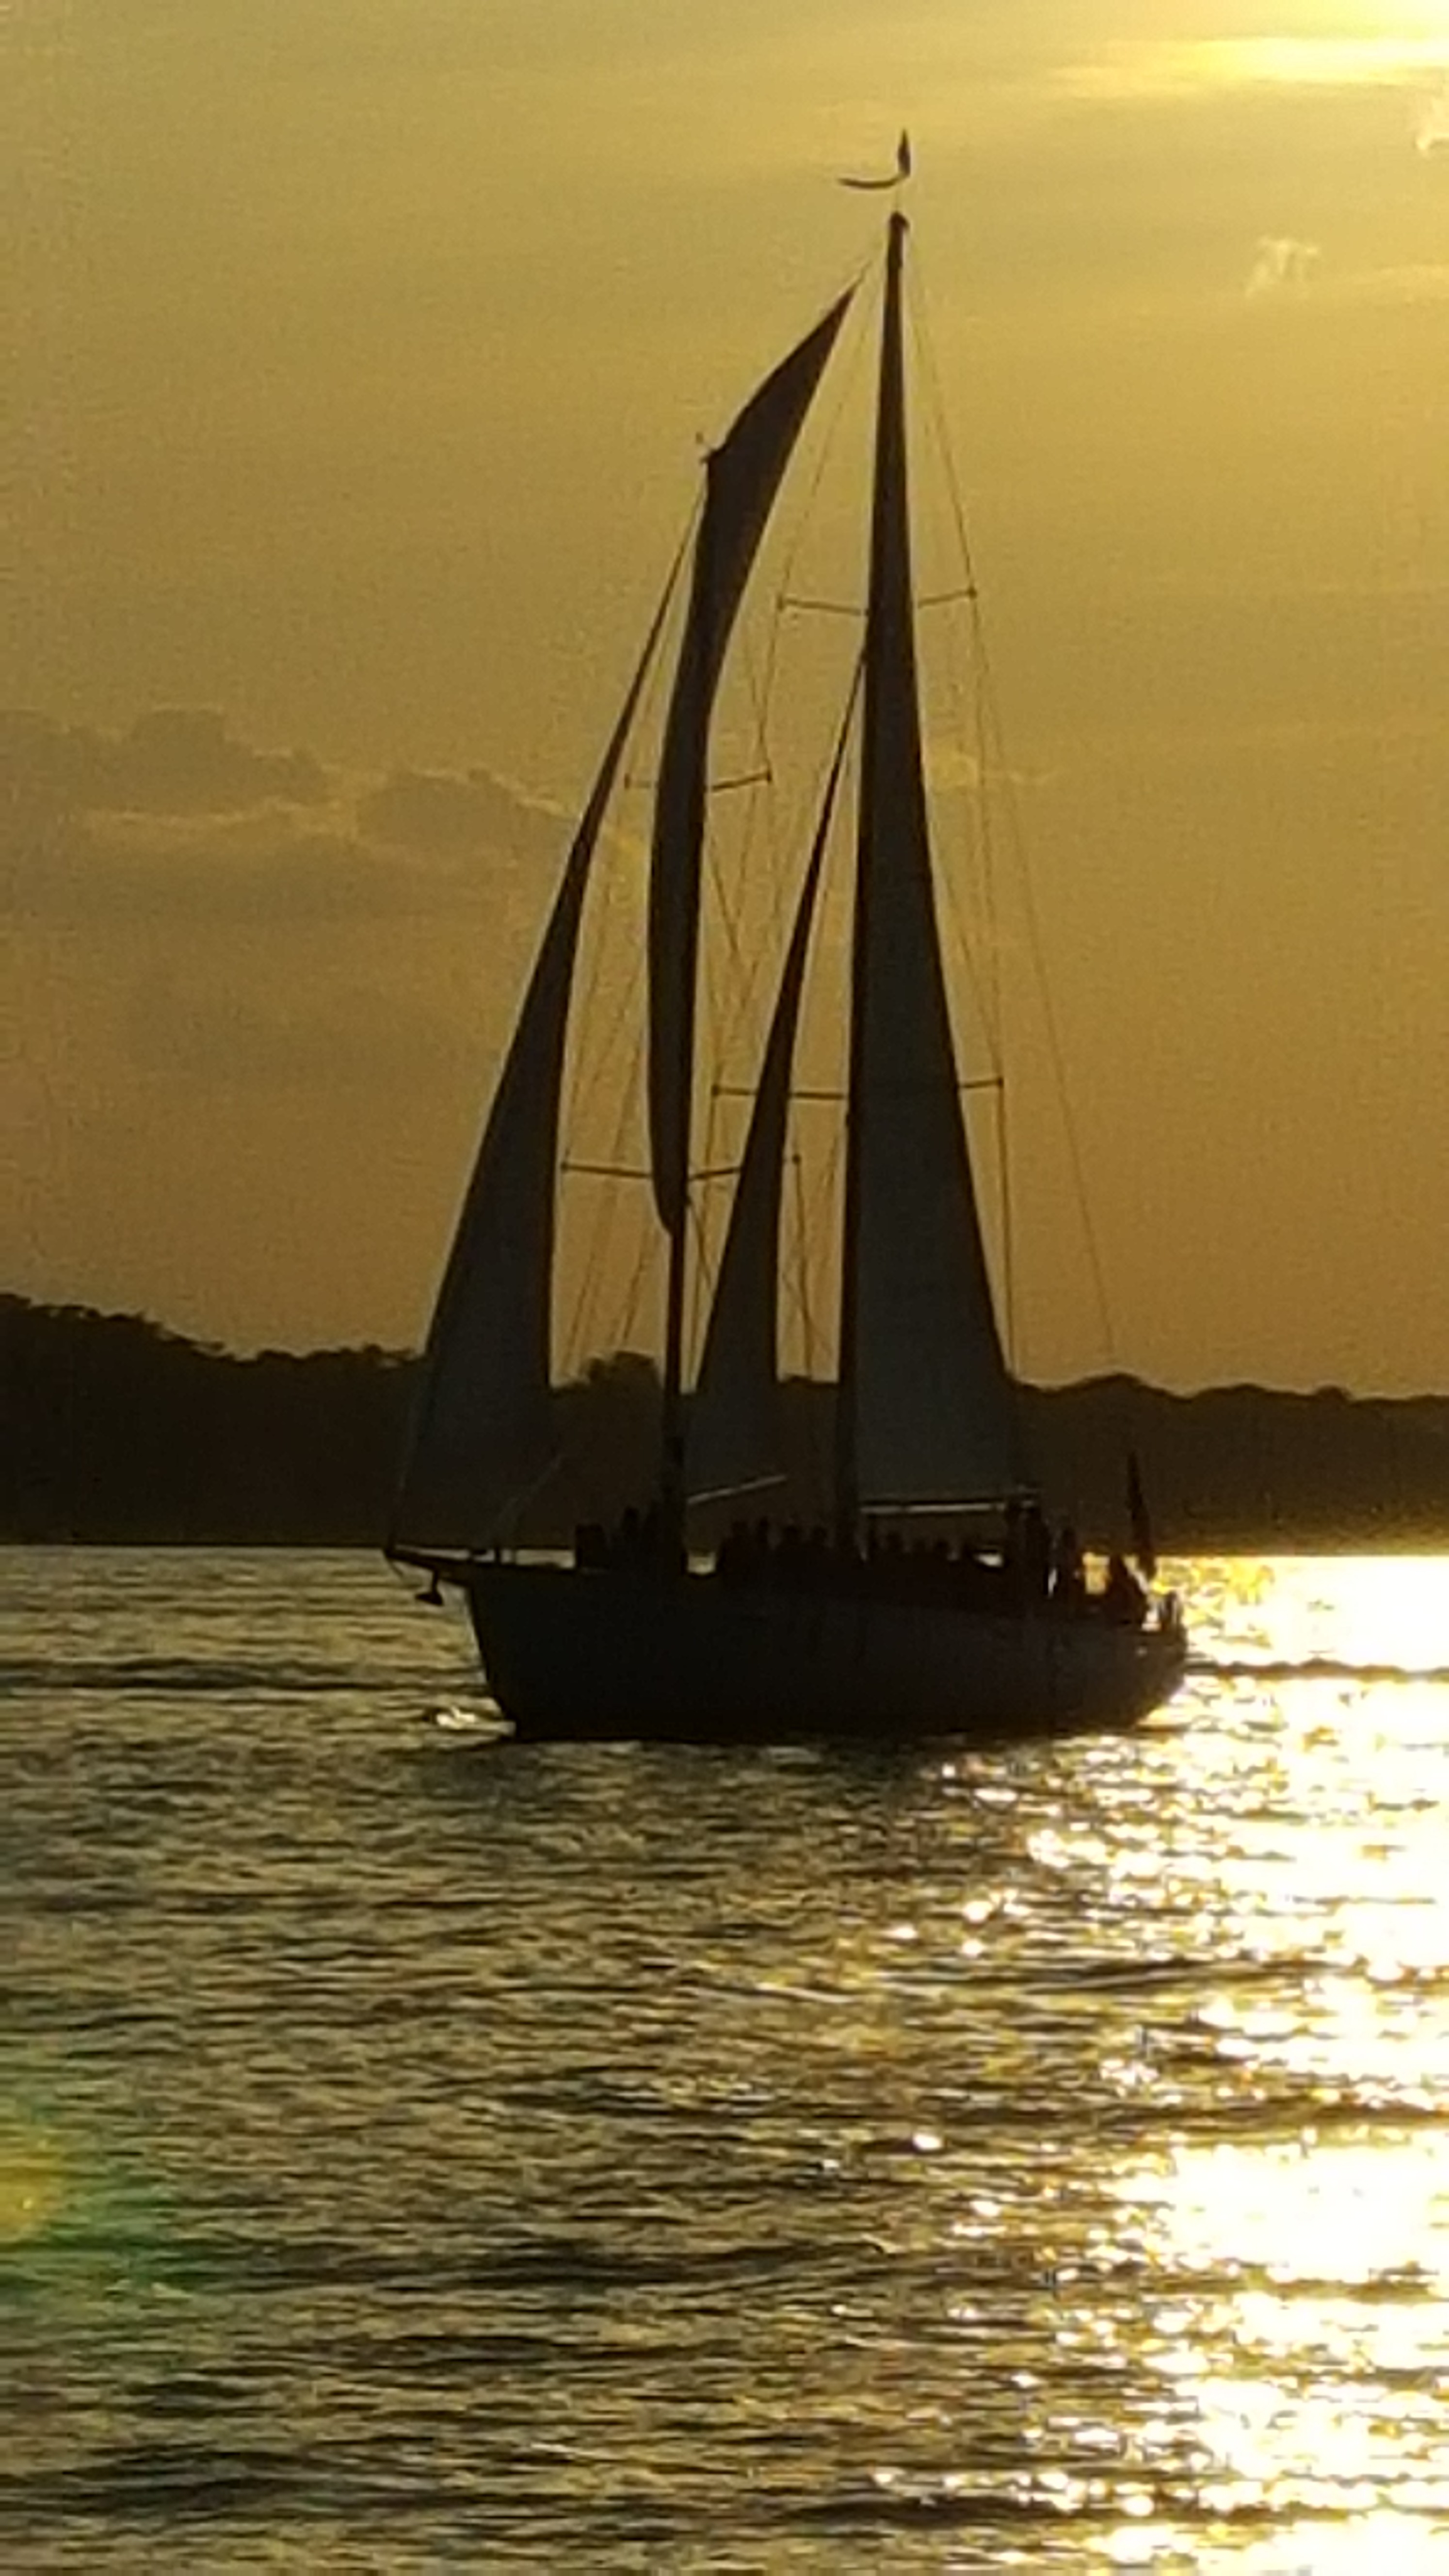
[
  {"x": 1227, "y": 2239},
  {"x": 1312, "y": 2362},
  {"x": 1303, "y": 2339}
]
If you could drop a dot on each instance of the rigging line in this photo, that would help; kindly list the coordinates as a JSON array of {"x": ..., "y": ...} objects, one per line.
[
  {"x": 726, "y": 1016},
  {"x": 982, "y": 972},
  {"x": 729, "y": 971},
  {"x": 826, "y": 1190},
  {"x": 973, "y": 736},
  {"x": 635, "y": 1293},
  {"x": 758, "y": 687},
  {"x": 759, "y": 684},
  {"x": 591, "y": 1059},
  {"x": 749, "y": 972},
  {"x": 986, "y": 829},
  {"x": 984, "y": 738},
  {"x": 972, "y": 731},
  {"x": 702, "y": 1263},
  {"x": 798, "y": 1091},
  {"x": 925, "y": 350},
  {"x": 723, "y": 1021},
  {"x": 825, "y": 808},
  {"x": 805, "y": 517},
  {"x": 595, "y": 1265},
  {"x": 665, "y": 661},
  {"x": 807, "y": 1318},
  {"x": 790, "y": 602},
  {"x": 1055, "y": 1048},
  {"x": 751, "y": 977},
  {"x": 597, "y": 1246},
  {"x": 583, "y": 1002},
  {"x": 745, "y": 778},
  {"x": 819, "y": 1442},
  {"x": 849, "y": 365},
  {"x": 762, "y": 684},
  {"x": 1008, "y": 1239}
]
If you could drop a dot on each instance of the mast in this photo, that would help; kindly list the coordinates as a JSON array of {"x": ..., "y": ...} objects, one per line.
[
  {"x": 925, "y": 1408},
  {"x": 672, "y": 1168},
  {"x": 889, "y": 557}
]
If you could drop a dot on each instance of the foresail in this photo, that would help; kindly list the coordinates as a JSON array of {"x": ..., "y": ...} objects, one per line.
[
  {"x": 926, "y": 1405},
  {"x": 734, "y": 1418},
  {"x": 742, "y": 477},
  {"x": 481, "y": 1434}
]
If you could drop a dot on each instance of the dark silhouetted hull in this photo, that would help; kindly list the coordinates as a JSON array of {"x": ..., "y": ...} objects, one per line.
[{"x": 610, "y": 1655}]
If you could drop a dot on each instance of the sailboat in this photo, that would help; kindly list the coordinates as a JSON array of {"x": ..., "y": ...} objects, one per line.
[{"x": 850, "y": 1635}]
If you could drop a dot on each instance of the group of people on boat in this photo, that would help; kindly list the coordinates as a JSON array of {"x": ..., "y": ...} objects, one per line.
[{"x": 1033, "y": 1567}]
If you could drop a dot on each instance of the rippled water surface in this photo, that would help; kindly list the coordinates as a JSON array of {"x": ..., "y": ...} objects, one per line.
[{"x": 418, "y": 2151}]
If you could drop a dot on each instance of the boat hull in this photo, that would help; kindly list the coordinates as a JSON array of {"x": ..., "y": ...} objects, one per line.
[{"x": 611, "y": 1655}]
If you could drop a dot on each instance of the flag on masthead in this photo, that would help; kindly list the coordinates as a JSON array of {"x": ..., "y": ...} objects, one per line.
[{"x": 901, "y": 171}]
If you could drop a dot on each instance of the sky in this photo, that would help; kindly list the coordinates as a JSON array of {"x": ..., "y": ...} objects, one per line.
[{"x": 365, "y": 351}]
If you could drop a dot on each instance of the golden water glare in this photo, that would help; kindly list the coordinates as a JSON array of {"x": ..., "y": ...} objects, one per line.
[{"x": 1266, "y": 2244}]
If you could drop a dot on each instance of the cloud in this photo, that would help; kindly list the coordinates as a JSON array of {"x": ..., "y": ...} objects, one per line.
[
  {"x": 1283, "y": 265},
  {"x": 175, "y": 820},
  {"x": 417, "y": 809},
  {"x": 1157, "y": 68},
  {"x": 173, "y": 760},
  {"x": 1282, "y": 262},
  {"x": 272, "y": 963}
]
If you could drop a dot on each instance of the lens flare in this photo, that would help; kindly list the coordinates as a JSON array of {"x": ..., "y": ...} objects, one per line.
[{"x": 32, "y": 2182}]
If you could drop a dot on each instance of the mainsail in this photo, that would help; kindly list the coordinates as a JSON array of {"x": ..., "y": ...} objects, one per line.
[
  {"x": 734, "y": 1420},
  {"x": 742, "y": 477},
  {"x": 481, "y": 1436},
  {"x": 926, "y": 1412}
]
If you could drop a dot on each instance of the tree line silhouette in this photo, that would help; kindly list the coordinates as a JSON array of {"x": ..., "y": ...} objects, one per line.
[{"x": 114, "y": 1429}]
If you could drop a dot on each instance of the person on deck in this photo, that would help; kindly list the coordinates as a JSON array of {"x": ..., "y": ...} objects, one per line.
[
  {"x": 1123, "y": 1600},
  {"x": 1069, "y": 1579}
]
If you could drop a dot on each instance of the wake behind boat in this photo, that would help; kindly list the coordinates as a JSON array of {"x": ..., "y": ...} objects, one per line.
[{"x": 851, "y": 1633}]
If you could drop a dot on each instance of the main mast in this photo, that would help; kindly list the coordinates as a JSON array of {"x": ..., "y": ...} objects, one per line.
[{"x": 888, "y": 630}]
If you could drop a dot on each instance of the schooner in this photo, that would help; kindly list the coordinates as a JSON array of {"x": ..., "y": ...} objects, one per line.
[{"x": 839, "y": 1639}]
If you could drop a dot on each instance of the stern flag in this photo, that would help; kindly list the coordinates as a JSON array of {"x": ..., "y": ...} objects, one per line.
[
  {"x": 1142, "y": 1546},
  {"x": 901, "y": 171}
]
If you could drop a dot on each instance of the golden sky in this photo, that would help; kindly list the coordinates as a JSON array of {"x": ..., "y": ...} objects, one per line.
[{"x": 365, "y": 352}]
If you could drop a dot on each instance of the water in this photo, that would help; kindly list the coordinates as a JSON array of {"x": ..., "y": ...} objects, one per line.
[{"x": 417, "y": 2151}]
